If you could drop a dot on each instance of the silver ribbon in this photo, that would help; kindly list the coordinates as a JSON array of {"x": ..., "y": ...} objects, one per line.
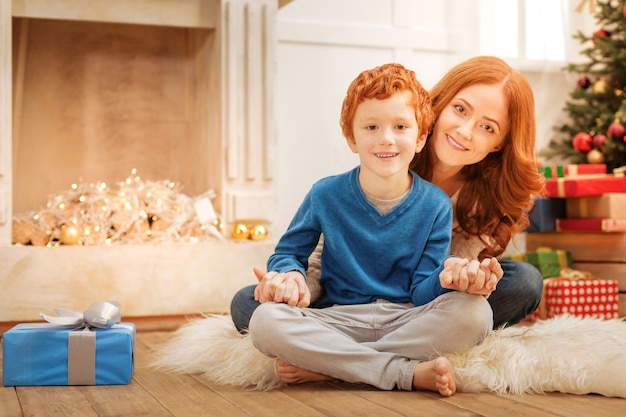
[
  {"x": 81, "y": 358},
  {"x": 104, "y": 314}
]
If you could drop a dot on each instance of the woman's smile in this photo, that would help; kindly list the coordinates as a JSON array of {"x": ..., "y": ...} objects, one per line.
[{"x": 455, "y": 144}]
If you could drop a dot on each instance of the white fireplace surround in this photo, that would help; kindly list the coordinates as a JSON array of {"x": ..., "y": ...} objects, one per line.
[{"x": 153, "y": 280}]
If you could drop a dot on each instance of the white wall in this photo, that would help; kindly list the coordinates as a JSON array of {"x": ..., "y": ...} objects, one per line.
[{"x": 324, "y": 44}]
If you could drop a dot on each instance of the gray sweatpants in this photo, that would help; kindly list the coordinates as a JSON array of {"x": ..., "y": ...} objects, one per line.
[{"x": 378, "y": 343}]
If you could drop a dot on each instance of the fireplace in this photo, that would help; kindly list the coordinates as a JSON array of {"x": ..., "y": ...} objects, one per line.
[{"x": 176, "y": 89}]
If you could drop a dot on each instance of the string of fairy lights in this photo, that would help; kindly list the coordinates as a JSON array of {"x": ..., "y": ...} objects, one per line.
[{"x": 135, "y": 211}]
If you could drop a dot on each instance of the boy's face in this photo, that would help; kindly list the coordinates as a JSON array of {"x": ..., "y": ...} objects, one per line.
[{"x": 386, "y": 135}]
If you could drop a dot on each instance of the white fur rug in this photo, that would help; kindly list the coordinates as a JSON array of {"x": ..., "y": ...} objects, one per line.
[{"x": 565, "y": 354}]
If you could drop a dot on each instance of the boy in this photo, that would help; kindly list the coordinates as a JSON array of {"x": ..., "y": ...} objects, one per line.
[{"x": 384, "y": 313}]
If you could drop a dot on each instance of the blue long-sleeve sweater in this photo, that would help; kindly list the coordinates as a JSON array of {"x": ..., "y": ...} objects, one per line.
[{"x": 367, "y": 255}]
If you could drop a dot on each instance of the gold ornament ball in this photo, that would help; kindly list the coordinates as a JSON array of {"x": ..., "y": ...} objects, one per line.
[
  {"x": 601, "y": 86},
  {"x": 69, "y": 235},
  {"x": 595, "y": 157},
  {"x": 258, "y": 232},
  {"x": 240, "y": 232}
]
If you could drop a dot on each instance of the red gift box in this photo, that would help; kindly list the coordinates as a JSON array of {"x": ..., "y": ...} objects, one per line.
[
  {"x": 585, "y": 185},
  {"x": 591, "y": 225},
  {"x": 578, "y": 297}
]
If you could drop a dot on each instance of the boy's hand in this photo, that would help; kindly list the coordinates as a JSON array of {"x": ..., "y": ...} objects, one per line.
[{"x": 288, "y": 287}]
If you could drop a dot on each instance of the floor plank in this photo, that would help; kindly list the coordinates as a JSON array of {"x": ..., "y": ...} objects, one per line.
[
  {"x": 328, "y": 400},
  {"x": 576, "y": 405},
  {"x": 413, "y": 403},
  {"x": 268, "y": 403},
  {"x": 492, "y": 405},
  {"x": 51, "y": 401},
  {"x": 8, "y": 398},
  {"x": 180, "y": 394}
]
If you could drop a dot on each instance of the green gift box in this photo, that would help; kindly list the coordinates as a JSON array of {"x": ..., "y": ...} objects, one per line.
[{"x": 549, "y": 262}]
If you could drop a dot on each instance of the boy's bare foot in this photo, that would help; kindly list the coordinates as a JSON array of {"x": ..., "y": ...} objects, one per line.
[
  {"x": 290, "y": 374},
  {"x": 435, "y": 375}
]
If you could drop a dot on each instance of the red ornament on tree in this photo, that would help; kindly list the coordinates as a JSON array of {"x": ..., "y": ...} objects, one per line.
[
  {"x": 598, "y": 140},
  {"x": 624, "y": 11},
  {"x": 616, "y": 130},
  {"x": 582, "y": 142},
  {"x": 584, "y": 82},
  {"x": 600, "y": 33}
]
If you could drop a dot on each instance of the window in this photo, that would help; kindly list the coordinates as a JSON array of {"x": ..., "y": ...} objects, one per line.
[{"x": 525, "y": 30}]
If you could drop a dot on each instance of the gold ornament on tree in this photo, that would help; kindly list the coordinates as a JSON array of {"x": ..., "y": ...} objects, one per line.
[
  {"x": 595, "y": 157},
  {"x": 601, "y": 86}
]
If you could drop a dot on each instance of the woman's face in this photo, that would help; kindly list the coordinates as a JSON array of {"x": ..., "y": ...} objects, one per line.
[{"x": 473, "y": 124}]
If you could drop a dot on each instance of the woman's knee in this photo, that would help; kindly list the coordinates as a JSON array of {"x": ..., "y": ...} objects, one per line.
[
  {"x": 521, "y": 278},
  {"x": 242, "y": 306},
  {"x": 533, "y": 279}
]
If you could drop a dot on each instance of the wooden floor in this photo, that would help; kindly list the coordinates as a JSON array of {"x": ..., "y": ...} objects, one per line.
[{"x": 152, "y": 393}]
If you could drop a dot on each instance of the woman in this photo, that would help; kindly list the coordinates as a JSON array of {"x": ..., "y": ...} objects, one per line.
[
  {"x": 491, "y": 189},
  {"x": 486, "y": 164}
]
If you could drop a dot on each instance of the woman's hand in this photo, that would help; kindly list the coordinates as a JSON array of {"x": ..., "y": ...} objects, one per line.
[{"x": 472, "y": 276}]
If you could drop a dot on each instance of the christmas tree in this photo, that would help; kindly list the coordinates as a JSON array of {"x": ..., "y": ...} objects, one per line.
[{"x": 595, "y": 131}]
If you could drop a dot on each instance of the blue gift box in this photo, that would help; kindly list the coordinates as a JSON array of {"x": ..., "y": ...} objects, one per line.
[
  {"x": 544, "y": 213},
  {"x": 41, "y": 354}
]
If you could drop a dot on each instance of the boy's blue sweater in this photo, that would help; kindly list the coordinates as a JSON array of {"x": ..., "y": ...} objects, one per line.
[{"x": 367, "y": 255}]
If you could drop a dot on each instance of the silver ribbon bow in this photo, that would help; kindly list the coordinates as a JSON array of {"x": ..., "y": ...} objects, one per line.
[{"x": 104, "y": 315}]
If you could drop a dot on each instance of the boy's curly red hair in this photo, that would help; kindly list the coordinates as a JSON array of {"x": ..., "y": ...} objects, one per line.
[{"x": 381, "y": 83}]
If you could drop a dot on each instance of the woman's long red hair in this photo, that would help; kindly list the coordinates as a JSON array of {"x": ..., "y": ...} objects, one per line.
[{"x": 498, "y": 190}]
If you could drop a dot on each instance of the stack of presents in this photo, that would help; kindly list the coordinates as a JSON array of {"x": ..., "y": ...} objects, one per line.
[{"x": 577, "y": 240}]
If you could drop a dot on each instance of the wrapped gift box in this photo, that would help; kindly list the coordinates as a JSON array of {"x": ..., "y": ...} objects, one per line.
[
  {"x": 549, "y": 262},
  {"x": 544, "y": 213},
  {"x": 584, "y": 298},
  {"x": 560, "y": 171},
  {"x": 585, "y": 185},
  {"x": 610, "y": 205},
  {"x": 591, "y": 225},
  {"x": 43, "y": 354}
]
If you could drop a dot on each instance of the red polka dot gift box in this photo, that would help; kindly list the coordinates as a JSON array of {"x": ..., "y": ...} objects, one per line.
[{"x": 583, "y": 297}]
